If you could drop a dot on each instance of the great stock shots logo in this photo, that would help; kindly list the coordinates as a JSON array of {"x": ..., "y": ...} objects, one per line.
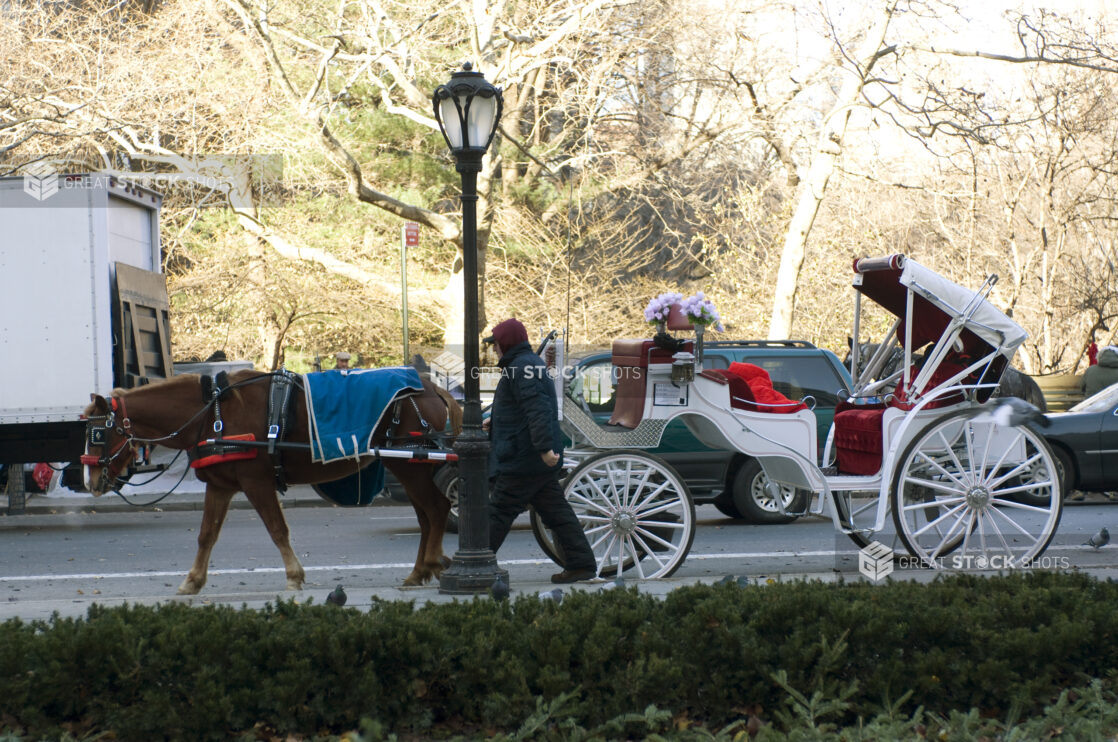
[
  {"x": 39, "y": 181},
  {"x": 875, "y": 561}
]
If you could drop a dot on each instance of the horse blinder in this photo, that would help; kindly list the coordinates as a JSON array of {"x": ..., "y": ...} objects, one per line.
[{"x": 115, "y": 461}]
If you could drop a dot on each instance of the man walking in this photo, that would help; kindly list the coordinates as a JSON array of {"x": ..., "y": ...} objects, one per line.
[{"x": 526, "y": 451}]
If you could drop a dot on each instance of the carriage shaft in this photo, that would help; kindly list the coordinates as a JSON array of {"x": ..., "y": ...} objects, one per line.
[{"x": 432, "y": 455}]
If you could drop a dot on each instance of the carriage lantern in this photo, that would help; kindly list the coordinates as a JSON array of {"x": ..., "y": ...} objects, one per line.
[
  {"x": 468, "y": 109},
  {"x": 683, "y": 367}
]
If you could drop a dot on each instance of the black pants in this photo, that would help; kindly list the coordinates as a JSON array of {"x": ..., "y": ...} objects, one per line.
[{"x": 512, "y": 495}]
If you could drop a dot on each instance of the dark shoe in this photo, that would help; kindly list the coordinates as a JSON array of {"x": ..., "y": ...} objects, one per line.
[{"x": 573, "y": 575}]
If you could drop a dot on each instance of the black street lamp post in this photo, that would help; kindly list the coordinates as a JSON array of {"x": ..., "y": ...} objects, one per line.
[{"x": 468, "y": 109}]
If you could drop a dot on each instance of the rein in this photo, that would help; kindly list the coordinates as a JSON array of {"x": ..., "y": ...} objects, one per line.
[{"x": 117, "y": 459}]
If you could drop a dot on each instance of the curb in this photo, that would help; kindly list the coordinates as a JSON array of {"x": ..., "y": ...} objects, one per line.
[{"x": 301, "y": 496}]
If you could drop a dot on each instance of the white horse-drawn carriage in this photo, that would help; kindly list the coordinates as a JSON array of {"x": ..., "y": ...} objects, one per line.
[{"x": 923, "y": 461}]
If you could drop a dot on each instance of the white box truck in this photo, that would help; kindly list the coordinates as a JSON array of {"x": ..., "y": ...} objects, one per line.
[{"x": 83, "y": 308}]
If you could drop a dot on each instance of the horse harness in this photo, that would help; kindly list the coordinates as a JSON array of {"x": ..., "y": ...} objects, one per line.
[
  {"x": 280, "y": 420},
  {"x": 221, "y": 448},
  {"x": 116, "y": 460}
]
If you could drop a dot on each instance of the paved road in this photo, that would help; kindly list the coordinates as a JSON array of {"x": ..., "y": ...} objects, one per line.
[{"x": 62, "y": 558}]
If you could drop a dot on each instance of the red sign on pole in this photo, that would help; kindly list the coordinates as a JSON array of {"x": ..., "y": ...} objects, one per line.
[{"x": 411, "y": 234}]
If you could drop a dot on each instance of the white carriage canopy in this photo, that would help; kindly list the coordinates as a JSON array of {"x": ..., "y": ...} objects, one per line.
[
  {"x": 940, "y": 308},
  {"x": 936, "y": 303}
]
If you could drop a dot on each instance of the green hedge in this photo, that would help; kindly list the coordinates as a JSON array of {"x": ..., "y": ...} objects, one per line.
[{"x": 1002, "y": 646}]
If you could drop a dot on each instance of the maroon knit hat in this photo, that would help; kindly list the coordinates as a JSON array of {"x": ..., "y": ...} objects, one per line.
[{"x": 508, "y": 333}]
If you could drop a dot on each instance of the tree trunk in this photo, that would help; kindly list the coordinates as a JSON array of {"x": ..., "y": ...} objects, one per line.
[{"x": 814, "y": 186}]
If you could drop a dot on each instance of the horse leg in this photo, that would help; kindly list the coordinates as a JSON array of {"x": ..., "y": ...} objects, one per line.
[
  {"x": 213, "y": 516},
  {"x": 420, "y": 574},
  {"x": 266, "y": 502},
  {"x": 431, "y": 510}
]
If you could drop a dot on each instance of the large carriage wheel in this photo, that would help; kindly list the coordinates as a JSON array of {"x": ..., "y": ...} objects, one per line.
[
  {"x": 636, "y": 511},
  {"x": 990, "y": 493}
]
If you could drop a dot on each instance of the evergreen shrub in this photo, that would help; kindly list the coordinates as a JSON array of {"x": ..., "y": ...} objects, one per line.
[{"x": 716, "y": 653}]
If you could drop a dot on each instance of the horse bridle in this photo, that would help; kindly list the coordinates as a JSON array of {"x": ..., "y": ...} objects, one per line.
[{"x": 116, "y": 460}]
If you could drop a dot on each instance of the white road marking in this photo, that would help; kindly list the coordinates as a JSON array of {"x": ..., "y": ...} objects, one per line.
[
  {"x": 407, "y": 565},
  {"x": 334, "y": 568}
]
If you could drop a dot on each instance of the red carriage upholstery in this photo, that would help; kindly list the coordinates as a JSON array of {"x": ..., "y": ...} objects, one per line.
[
  {"x": 741, "y": 396},
  {"x": 950, "y": 366},
  {"x": 858, "y": 439},
  {"x": 761, "y": 396},
  {"x": 630, "y": 359},
  {"x": 677, "y": 320},
  {"x": 858, "y": 431}
]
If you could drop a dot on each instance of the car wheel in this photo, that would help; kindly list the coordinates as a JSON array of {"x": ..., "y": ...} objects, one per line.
[
  {"x": 1065, "y": 470},
  {"x": 754, "y": 503},
  {"x": 726, "y": 506},
  {"x": 1065, "y": 476},
  {"x": 446, "y": 479}
]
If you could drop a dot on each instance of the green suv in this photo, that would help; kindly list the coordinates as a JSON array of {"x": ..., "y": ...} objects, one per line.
[{"x": 733, "y": 482}]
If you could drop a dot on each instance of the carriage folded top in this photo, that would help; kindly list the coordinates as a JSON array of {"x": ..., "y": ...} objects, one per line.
[{"x": 937, "y": 303}]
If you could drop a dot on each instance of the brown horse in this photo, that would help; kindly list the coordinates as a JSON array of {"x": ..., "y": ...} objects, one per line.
[{"x": 175, "y": 414}]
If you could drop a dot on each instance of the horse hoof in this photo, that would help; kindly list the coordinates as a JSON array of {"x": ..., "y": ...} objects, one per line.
[
  {"x": 445, "y": 561},
  {"x": 417, "y": 579},
  {"x": 189, "y": 588}
]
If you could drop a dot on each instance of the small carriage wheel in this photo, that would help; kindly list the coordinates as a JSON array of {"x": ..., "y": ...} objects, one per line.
[
  {"x": 636, "y": 511},
  {"x": 990, "y": 493},
  {"x": 857, "y": 511}
]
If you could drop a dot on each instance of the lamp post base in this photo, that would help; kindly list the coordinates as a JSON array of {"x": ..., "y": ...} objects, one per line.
[
  {"x": 471, "y": 573},
  {"x": 473, "y": 568}
]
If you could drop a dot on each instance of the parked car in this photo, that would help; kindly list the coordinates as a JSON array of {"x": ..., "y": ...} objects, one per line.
[
  {"x": 1085, "y": 442},
  {"x": 732, "y": 482}
]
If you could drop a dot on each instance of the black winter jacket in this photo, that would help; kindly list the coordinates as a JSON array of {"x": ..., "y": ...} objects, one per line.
[{"x": 524, "y": 419}]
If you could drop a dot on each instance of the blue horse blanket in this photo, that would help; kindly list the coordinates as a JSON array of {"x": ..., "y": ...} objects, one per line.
[{"x": 344, "y": 408}]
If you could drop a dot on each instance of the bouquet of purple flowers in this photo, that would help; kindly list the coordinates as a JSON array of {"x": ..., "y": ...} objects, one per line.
[
  {"x": 657, "y": 309},
  {"x": 700, "y": 311}
]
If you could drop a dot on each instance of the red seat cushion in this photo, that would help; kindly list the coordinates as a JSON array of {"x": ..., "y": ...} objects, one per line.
[
  {"x": 761, "y": 386},
  {"x": 741, "y": 396},
  {"x": 858, "y": 440}
]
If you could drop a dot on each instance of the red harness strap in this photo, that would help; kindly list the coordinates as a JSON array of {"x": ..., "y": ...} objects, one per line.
[{"x": 208, "y": 455}]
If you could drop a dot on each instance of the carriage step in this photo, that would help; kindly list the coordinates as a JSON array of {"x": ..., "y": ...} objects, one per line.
[{"x": 830, "y": 471}]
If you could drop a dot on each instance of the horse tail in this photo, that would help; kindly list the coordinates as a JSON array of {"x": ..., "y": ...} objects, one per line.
[{"x": 453, "y": 410}]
